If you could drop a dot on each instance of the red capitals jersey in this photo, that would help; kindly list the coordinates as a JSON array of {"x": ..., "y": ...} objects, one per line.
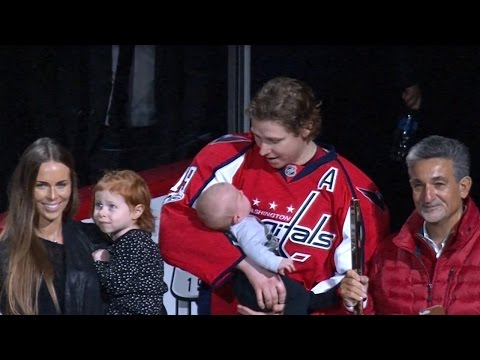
[{"x": 307, "y": 208}]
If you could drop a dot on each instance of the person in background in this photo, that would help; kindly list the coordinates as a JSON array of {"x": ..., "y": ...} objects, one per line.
[
  {"x": 300, "y": 189},
  {"x": 141, "y": 93},
  {"x": 131, "y": 270},
  {"x": 431, "y": 264},
  {"x": 45, "y": 257}
]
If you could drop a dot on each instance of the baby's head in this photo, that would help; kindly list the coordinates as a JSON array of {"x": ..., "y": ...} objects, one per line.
[{"x": 222, "y": 205}]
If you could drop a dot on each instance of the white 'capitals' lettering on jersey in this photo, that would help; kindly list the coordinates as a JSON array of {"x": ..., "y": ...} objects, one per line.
[{"x": 299, "y": 234}]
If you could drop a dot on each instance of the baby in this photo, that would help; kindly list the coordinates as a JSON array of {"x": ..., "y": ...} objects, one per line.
[{"x": 223, "y": 207}]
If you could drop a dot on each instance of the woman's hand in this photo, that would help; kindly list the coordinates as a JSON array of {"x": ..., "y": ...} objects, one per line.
[{"x": 101, "y": 255}]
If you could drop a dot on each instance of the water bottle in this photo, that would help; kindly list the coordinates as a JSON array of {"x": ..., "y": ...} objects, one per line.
[{"x": 403, "y": 137}]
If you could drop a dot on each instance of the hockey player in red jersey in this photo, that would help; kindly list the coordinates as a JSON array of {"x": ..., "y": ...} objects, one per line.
[{"x": 301, "y": 189}]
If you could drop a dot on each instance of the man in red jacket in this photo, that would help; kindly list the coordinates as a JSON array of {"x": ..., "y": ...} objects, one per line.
[{"x": 434, "y": 261}]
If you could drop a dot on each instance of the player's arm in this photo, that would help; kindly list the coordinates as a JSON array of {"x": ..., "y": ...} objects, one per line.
[{"x": 184, "y": 241}]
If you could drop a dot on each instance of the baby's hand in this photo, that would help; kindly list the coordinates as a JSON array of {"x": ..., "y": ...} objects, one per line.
[
  {"x": 101, "y": 255},
  {"x": 286, "y": 264}
]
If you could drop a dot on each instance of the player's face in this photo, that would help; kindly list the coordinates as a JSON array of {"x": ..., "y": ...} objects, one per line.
[
  {"x": 436, "y": 193},
  {"x": 277, "y": 145},
  {"x": 52, "y": 191},
  {"x": 112, "y": 214}
]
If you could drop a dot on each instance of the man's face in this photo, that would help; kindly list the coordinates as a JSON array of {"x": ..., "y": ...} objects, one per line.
[
  {"x": 436, "y": 193},
  {"x": 277, "y": 145}
]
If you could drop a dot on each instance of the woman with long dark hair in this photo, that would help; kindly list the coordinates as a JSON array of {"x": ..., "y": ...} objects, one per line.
[{"x": 46, "y": 265}]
